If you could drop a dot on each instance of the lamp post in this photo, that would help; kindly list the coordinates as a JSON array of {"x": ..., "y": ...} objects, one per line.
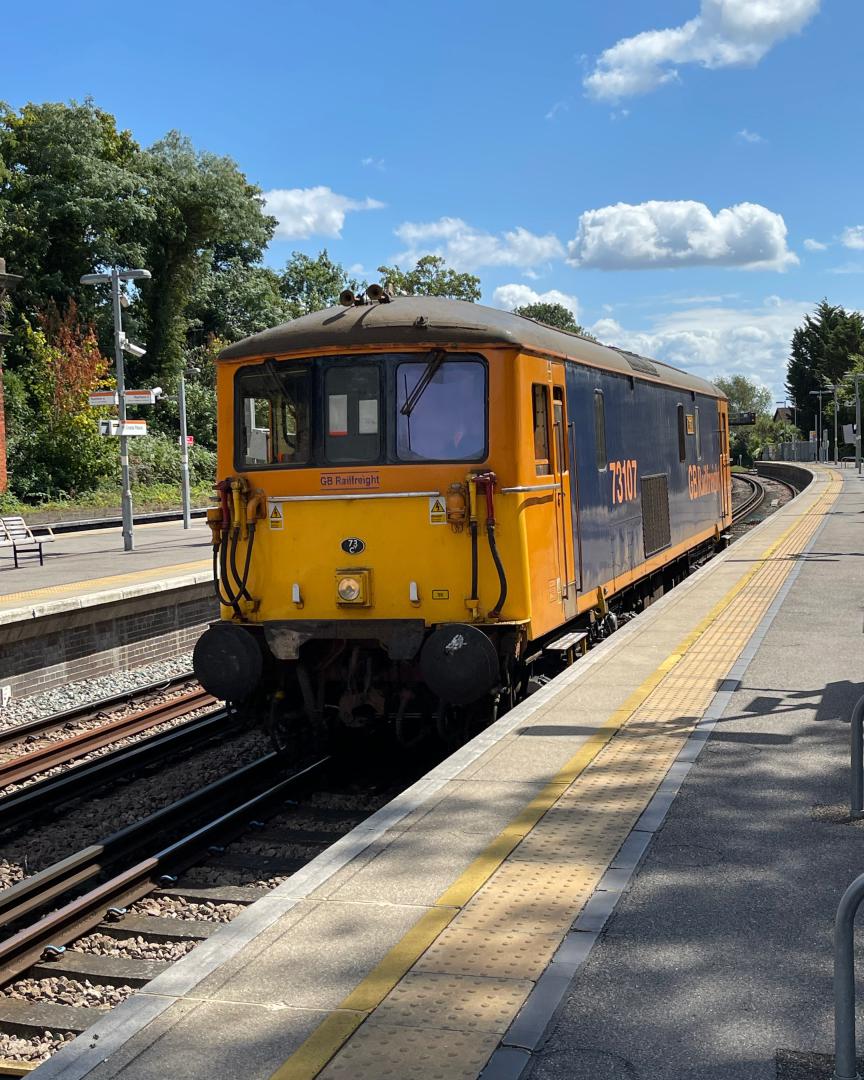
[
  {"x": 184, "y": 453},
  {"x": 7, "y": 283},
  {"x": 120, "y": 343},
  {"x": 833, "y": 388},
  {"x": 820, "y": 393}
]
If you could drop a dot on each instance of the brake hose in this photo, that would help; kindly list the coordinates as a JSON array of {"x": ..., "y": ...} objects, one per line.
[
  {"x": 241, "y": 582},
  {"x": 487, "y": 481}
]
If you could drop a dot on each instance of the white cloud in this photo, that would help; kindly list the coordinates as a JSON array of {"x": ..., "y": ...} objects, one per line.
[
  {"x": 559, "y": 106},
  {"x": 750, "y": 136},
  {"x": 725, "y": 33},
  {"x": 853, "y": 237},
  {"x": 513, "y": 296},
  {"x": 680, "y": 233},
  {"x": 467, "y": 248},
  {"x": 814, "y": 245},
  {"x": 373, "y": 163},
  {"x": 717, "y": 341},
  {"x": 315, "y": 211}
]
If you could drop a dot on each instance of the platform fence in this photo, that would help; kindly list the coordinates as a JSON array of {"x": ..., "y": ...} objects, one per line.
[{"x": 798, "y": 450}]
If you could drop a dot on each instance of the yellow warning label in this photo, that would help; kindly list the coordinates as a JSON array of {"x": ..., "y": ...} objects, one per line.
[
  {"x": 275, "y": 516},
  {"x": 437, "y": 511}
]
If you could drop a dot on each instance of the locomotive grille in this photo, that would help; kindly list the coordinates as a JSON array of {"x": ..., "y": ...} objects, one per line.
[{"x": 655, "y": 513}]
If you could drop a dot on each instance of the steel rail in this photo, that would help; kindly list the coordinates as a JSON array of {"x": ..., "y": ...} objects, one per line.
[
  {"x": 752, "y": 502},
  {"x": 59, "y": 926},
  {"x": 43, "y": 797},
  {"x": 64, "y": 751},
  {"x": 87, "y": 711}
]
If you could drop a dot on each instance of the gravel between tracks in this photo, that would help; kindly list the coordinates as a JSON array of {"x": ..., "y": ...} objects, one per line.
[
  {"x": 133, "y": 948},
  {"x": 35, "y": 706},
  {"x": 87, "y": 820},
  {"x": 35, "y": 1048},
  {"x": 62, "y": 991}
]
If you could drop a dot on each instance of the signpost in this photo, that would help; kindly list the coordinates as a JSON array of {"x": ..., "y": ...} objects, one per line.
[{"x": 121, "y": 344}]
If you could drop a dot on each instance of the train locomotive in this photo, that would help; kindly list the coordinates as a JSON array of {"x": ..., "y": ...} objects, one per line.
[{"x": 425, "y": 504}]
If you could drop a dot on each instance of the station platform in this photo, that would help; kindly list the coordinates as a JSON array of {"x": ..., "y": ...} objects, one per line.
[
  {"x": 632, "y": 874},
  {"x": 90, "y": 564}
]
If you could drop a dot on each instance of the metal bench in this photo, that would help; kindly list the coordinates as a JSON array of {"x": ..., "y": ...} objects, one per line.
[{"x": 17, "y": 532}]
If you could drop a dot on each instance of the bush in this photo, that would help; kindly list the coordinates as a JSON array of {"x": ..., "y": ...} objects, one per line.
[{"x": 155, "y": 459}]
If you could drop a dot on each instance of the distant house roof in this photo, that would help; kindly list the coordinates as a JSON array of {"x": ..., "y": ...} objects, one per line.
[
  {"x": 437, "y": 321},
  {"x": 784, "y": 413}
]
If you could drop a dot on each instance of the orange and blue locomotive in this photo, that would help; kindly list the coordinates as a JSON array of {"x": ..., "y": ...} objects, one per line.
[{"x": 424, "y": 501}]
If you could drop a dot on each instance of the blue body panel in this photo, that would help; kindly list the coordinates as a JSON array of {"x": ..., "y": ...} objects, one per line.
[{"x": 641, "y": 422}]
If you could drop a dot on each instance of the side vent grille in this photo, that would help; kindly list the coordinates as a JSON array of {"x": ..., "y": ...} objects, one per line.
[{"x": 655, "y": 513}]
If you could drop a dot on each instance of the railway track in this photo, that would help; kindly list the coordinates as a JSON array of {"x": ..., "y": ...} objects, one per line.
[
  {"x": 753, "y": 501},
  {"x": 25, "y": 766},
  {"x": 111, "y": 892},
  {"x": 41, "y": 799},
  {"x": 30, "y": 908}
]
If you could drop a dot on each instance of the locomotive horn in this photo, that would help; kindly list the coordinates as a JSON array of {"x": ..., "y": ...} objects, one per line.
[
  {"x": 347, "y": 298},
  {"x": 378, "y": 294}
]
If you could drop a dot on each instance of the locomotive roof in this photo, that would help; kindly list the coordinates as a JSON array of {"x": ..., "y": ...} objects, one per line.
[{"x": 437, "y": 321}]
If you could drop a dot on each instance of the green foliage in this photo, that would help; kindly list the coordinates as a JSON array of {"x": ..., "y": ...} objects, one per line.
[
  {"x": 207, "y": 218},
  {"x": 54, "y": 448},
  {"x": 155, "y": 459},
  {"x": 71, "y": 200},
  {"x": 235, "y": 301},
  {"x": 822, "y": 352},
  {"x": 745, "y": 395},
  {"x": 556, "y": 315},
  {"x": 431, "y": 277},
  {"x": 78, "y": 196},
  {"x": 200, "y": 371},
  {"x": 308, "y": 284},
  {"x": 747, "y": 443}
]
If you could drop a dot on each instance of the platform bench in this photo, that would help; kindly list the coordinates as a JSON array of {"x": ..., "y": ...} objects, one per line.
[{"x": 16, "y": 531}]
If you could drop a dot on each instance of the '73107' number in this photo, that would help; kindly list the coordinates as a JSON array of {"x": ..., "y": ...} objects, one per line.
[{"x": 623, "y": 475}]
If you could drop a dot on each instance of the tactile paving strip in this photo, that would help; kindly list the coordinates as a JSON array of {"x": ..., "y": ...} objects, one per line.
[
  {"x": 508, "y": 930},
  {"x": 155, "y": 573}
]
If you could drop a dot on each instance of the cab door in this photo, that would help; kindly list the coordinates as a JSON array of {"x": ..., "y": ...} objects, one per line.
[
  {"x": 725, "y": 469},
  {"x": 569, "y": 555}
]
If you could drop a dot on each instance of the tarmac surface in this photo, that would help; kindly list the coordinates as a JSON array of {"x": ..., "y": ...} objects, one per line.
[
  {"x": 717, "y": 963},
  {"x": 80, "y": 563}
]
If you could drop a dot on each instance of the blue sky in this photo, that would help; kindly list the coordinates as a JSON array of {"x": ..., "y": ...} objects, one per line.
[{"x": 685, "y": 175}]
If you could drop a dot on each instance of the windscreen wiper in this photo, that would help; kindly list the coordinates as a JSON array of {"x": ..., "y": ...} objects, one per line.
[{"x": 436, "y": 359}]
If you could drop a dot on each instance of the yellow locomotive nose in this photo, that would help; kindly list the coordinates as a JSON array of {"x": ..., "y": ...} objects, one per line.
[{"x": 353, "y": 588}]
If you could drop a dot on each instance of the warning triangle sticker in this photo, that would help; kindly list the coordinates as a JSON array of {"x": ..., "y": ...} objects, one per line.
[
  {"x": 438, "y": 507},
  {"x": 275, "y": 513}
]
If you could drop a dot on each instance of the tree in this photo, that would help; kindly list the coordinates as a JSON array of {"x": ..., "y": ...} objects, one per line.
[
  {"x": 234, "y": 301},
  {"x": 55, "y": 448},
  {"x": 71, "y": 201},
  {"x": 206, "y": 219},
  {"x": 745, "y": 395},
  {"x": 822, "y": 351},
  {"x": 555, "y": 315},
  {"x": 308, "y": 284},
  {"x": 431, "y": 277}
]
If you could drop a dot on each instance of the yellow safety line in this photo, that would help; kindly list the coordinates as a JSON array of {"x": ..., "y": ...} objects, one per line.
[
  {"x": 328, "y": 1038},
  {"x": 88, "y": 586}
]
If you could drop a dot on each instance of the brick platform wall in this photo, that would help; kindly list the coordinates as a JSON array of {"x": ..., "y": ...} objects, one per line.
[{"x": 38, "y": 654}]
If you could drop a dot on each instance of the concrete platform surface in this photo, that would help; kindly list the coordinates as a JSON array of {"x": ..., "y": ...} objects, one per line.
[
  {"x": 439, "y": 937},
  {"x": 84, "y": 565},
  {"x": 718, "y": 960}
]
